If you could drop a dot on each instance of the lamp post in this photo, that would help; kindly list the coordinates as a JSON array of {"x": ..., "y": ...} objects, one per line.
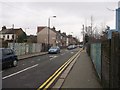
[
  {"x": 49, "y": 30},
  {"x": 14, "y": 37},
  {"x": 83, "y": 35}
]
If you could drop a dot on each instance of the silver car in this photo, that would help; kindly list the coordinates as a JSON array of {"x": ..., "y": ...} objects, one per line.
[{"x": 54, "y": 49}]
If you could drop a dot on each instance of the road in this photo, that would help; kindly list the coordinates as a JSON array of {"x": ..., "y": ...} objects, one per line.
[{"x": 33, "y": 72}]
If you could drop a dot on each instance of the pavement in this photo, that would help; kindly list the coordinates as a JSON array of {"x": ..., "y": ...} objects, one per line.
[{"x": 79, "y": 74}]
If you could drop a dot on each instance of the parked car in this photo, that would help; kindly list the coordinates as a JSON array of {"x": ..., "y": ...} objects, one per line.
[
  {"x": 8, "y": 57},
  {"x": 54, "y": 49},
  {"x": 71, "y": 47},
  {"x": 81, "y": 46}
]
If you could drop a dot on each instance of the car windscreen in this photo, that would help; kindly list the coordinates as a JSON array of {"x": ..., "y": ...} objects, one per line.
[
  {"x": 53, "y": 48},
  {"x": 70, "y": 46},
  {"x": 7, "y": 52}
]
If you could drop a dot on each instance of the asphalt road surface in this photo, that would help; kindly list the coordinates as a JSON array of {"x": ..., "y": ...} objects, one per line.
[{"x": 32, "y": 72}]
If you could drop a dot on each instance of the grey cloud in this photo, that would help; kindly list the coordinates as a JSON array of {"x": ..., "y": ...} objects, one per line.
[{"x": 33, "y": 14}]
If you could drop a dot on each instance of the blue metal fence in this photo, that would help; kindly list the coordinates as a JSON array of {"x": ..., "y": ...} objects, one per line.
[{"x": 96, "y": 57}]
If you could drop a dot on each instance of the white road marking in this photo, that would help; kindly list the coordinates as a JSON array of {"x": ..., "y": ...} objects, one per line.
[
  {"x": 63, "y": 54},
  {"x": 32, "y": 61},
  {"x": 20, "y": 71},
  {"x": 38, "y": 59},
  {"x": 53, "y": 57}
]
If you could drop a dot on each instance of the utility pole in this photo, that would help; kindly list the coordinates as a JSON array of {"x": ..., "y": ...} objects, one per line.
[
  {"x": 91, "y": 25},
  {"x": 83, "y": 36},
  {"x": 48, "y": 32}
]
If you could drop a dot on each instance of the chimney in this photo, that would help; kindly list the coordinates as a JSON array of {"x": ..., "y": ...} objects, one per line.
[
  {"x": 53, "y": 28},
  {"x": 4, "y": 27},
  {"x": 59, "y": 31},
  {"x": 64, "y": 33}
]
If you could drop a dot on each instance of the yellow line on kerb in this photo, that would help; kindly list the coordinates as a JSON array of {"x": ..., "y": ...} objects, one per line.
[
  {"x": 58, "y": 72},
  {"x": 51, "y": 76},
  {"x": 76, "y": 56}
]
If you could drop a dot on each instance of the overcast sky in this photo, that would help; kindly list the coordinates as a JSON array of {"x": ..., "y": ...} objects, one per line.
[{"x": 69, "y": 15}]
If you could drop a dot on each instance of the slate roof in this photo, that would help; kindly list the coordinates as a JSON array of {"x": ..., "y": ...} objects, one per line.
[
  {"x": 10, "y": 31},
  {"x": 40, "y": 28}
]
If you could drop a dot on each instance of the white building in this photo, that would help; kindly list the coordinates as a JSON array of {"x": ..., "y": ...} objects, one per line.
[
  {"x": 7, "y": 36},
  {"x": 12, "y": 34}
]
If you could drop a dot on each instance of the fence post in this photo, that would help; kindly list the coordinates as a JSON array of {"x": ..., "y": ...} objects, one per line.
[{"x": 114, "y": 78}]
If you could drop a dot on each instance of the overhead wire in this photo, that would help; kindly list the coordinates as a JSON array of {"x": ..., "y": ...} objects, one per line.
[{"x": 18, "y": 8}]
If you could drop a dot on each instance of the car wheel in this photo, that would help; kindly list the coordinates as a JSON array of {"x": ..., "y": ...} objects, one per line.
[
  {"x": 57, "y": 52},
  {"x": 14, "y": 64}
]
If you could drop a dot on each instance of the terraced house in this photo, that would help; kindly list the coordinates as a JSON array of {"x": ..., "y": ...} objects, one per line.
[{"x": 10, "y": 34}]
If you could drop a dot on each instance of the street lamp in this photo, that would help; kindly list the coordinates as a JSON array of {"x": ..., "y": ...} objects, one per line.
[
  {"x": 49, "y": 30},
  {"x": 14, "y": 37}
]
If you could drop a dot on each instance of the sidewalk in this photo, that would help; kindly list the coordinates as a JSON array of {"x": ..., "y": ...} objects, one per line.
[
  {"x": 31, "y": 55},
  {"x": 82, "y": 75},
  {"x": 79, "y": 74}
]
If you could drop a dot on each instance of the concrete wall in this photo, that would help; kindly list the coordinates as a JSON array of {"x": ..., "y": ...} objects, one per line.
[{"x": 25, "y": 48}]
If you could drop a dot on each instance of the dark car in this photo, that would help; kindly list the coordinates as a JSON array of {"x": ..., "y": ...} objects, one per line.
[
  {"x": 8, "y": 57},
  {"x": 54, "y": 49}
]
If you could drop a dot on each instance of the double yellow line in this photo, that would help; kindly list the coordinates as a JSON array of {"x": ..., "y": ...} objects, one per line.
[{"x": 52, "y": 78}]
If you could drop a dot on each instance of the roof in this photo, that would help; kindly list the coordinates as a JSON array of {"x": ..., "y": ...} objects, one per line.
[
  {"x": 32, "y": 36},
  {"x": 40, "y": 28},
  {"x": 70, "y": 36},
  {"x": 10, "y": 31},
  {"x": 64, "y": 34}
]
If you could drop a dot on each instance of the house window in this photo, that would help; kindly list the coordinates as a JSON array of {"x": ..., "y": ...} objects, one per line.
[
  {"x": 3, "y": 36},
  {"x": 61, "y": 37},
  {"x": 12, "y": 36},
  {"x": 7, "y": 36}
]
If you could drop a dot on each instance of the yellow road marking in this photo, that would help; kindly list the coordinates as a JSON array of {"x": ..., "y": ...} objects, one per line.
[
  {"x": 51, "y": 77},
  {"x": 58, "y": 72},
  {"x": 57, "y": 75}
]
